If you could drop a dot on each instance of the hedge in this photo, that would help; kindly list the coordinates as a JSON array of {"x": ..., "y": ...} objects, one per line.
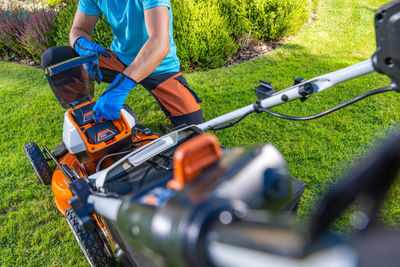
[
  {"x": 202, "y": 36},
  {"x": 236, "y": 15},
  {"x": 206, "y": 32},
  {"x": 265, "y": 19},
  {"x": 275, "y": 19}
]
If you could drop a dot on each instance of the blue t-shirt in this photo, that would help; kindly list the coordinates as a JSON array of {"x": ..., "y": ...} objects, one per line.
[{"x": 126, "y": 18}]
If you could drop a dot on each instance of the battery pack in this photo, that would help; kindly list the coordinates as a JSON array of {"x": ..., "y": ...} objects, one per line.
[
  {"x": 84, "y": 115},
  {"x": 101, "y": 132}
]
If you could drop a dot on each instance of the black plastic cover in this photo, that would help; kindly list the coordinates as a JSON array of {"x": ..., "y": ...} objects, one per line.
[
  {"x": 264, "y": 90},
  {"x": 101, "y": 132},
  {"x": 387, "y": 26}
]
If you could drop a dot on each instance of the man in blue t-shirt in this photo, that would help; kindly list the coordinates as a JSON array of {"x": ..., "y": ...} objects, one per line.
[{"x": 143, "y": 51}]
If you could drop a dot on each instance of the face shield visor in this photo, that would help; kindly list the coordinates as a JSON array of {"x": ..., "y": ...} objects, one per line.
[{"x": 70, "y": 81}]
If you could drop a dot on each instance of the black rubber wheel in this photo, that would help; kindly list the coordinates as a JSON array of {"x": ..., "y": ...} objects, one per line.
[
  {"x": 130, "y": 111},
  {"x": 39, "y": 163},
  {"x": 90, "y": 242}
]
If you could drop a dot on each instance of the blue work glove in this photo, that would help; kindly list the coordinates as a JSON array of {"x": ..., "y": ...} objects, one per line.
[
  {"x": 85, "y": 47},
  {"x": 110, "y": 102}
]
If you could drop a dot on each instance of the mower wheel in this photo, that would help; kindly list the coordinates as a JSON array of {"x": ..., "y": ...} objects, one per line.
[
  {"x": 90, "y": 242},
  {"x": 39, "y": 163},
  {"x": 130, "y": 111}
]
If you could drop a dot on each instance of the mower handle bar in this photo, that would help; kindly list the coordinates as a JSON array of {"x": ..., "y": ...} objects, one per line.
[
  {"x": 255, "y": 244},
  {"x": 250, "y": 242},
  {"x": 261, "y": 237},
  {"x": 318, "y": 84}
]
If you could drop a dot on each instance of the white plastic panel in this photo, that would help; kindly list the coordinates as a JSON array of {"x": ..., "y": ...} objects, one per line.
[
  {"x": 129, "y": 118},
  {"x": 72, "y": 140},
  {"x": 158, "y": 146}
]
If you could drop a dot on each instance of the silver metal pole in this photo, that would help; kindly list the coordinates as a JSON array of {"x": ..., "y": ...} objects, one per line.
[{"x": 319, "y": 84}]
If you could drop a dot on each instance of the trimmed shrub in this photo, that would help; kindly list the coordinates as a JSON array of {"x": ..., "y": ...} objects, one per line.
[
  {"x": 201, "y": 34},
  {"x": 275, "y": 19},
  {"x": 102, "y": 34},
  {"x": 235, "y": 12},
  {"x": 63, "y": 23},
  {"x": 265, "y": 19},
  {"x": 37, "y": 36}
]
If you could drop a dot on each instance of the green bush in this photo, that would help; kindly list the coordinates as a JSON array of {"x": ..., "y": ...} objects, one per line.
[
  {"x": 314, "y": 4},
  {"x": 235, "y": 12},
  {"x": 201, "y": 34},
  {"x": 276, "y": 19},
  {"x": 52, "y": 2},
  {"x": 265, "y": 19},
  {"x": 102, "y": 34},
  {"x": 205, "y": 30}
]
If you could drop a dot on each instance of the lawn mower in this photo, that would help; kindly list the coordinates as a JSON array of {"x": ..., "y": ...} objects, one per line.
[
  {"x": 182, "y": 199},
  {"x": 121, "y": 157}
]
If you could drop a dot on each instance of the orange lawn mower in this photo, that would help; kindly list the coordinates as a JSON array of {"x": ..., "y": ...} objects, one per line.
[
  {"x": 121, "y": 157},
  {"x": 149, "y": 200}
]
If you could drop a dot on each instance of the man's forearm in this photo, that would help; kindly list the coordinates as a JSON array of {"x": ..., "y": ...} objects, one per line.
[
  {"x": 148, "y": 59},
  {"x": 77, "y": 33},
  {"x": 82, "y": 26}
]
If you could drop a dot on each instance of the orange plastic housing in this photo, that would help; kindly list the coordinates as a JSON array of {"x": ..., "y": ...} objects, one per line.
[
  {"x": 121, "y": 124},
  {"x": 59, "y": 183},
  {"x": 61, "y": 192},
  {"x": 193, "y": 156},
  {"x": 85, "y": 162}
]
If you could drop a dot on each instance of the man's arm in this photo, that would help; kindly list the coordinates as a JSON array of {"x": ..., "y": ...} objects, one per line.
[
  {"x": 82, "y": 26},
  {"x": 156, "y": 47}
]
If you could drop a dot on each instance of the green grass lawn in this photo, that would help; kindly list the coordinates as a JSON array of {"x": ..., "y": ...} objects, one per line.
[{"x": 32, "y": 232}]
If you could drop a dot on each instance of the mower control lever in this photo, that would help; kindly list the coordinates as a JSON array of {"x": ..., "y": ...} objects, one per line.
[
  {"x": 264, "y": 90},
  {"x": 305, "y": 90}
]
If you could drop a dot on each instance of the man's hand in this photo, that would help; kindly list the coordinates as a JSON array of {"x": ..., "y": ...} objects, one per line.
[
  {"x": 85, "y": 47},
  {"x": 110, "y": 103}
]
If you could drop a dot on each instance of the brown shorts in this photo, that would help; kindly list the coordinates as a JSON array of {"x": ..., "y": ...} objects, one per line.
[{"x": 171, "y": 91}]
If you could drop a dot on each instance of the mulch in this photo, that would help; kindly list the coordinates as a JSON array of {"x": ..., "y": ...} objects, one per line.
[{"x": 251, "y": 50}]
